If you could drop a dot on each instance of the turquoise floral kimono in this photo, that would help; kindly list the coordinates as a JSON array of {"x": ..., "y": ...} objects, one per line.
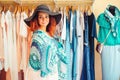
[{"x": 45, "y": 53}]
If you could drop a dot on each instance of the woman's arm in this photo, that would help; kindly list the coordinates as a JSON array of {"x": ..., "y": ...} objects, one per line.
[{"x": 61, "y": 53}]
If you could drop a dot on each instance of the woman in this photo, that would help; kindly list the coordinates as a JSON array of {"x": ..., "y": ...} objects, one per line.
[{"x": 45, "y": 50}]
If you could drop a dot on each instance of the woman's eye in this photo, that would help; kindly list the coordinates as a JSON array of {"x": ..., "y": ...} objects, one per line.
[
  {"x": 47, "y": 16},
  {"x": 39, "y": 17}
]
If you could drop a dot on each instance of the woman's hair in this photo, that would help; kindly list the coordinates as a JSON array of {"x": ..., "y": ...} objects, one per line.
[
  {"x": 50, "y": 23},
  {"x": 34, "y": 25},
  {"x": 51, "y": 26},
  {"x": 48, "y": 26}
]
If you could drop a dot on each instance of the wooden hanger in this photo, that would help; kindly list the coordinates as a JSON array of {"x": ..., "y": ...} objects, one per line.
[
  {"x": 16, "y": 9},
  {"x": 29, "y": 10},
  {"x": 12, "y": 8},
  {"x": 19, "y": 9},
  {"x": 86, "y": 8},
  {"x": 6, "y": 8},
  {"x": 26, "y": 10},
  {"x": 90, "y": 10},
  {"x": 67, "y": 8},
  {"x": 1, "y": 8},
  {"x": 74, "y": 8},
  {"x": 82, "y": 9}
]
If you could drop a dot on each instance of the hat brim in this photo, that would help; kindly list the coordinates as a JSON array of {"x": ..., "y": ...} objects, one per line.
[{"x": 56, "y": 15}]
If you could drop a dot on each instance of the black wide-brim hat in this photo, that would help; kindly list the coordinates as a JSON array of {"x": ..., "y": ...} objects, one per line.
[{"x": 43, "y": 8}]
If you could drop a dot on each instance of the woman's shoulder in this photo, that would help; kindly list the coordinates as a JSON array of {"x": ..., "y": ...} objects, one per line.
[{"x": 38, "y": 32}]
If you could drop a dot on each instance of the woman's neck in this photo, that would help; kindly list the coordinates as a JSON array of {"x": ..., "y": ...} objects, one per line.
[
  {"x": 50, "y": 34},
  {"x": 42, "y": 28}
]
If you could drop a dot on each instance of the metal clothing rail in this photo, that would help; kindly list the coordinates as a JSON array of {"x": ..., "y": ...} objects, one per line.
[
  {"x": 73, "y": 2},
  {"x": 85, "y": 5},
  {"x": 49, "y": 2}
]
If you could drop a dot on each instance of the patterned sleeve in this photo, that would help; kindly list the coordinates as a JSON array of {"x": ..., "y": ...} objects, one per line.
[
  {"x": 34, "y": 59},
  {"x": 61, "y": 53},
  {"x": 62, "y": 63}
]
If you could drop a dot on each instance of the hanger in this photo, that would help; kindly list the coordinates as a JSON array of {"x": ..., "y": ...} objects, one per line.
[
  {"x": 12, "y": 8},
  {"x": 74, "y": 8},
  {"x": 82, "y": 9},
  {"x": 67, "y": 8},
  {"x": 25, "y": 9},
  {"x": 18, "y": 9},
  {"x": 1, "y": 8},
  {"x": 29, "y": 10},
  {"x": 6, "y": 8},
  {"x": 90, "y": 11}
]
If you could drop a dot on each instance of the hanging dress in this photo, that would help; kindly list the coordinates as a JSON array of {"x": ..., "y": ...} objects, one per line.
[
  {"x": 1, "y": 45},
  {"x": 79, "y": 27},
  {"x": 92, "y": 36}
]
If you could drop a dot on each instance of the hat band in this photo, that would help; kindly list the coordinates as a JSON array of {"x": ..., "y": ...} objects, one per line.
[{"x": 45, "y": 9}]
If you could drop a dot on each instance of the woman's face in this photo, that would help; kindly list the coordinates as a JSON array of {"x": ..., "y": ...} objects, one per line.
[{"x": 43, "y": 19}]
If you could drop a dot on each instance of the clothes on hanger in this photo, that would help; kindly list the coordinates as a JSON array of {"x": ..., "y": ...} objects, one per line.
[{"x": 20, "y": 40}]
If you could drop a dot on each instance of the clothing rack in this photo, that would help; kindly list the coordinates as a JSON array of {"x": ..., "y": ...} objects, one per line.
[
  {"x": 30, "y": 4},
  {"x": 60, "y": 2},
  {"x": 49, "y": 2}
]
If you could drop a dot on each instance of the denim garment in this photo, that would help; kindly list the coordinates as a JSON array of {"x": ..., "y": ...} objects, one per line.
[
  {"x": 74, "y": 47},
  {"x": 92, "y": 35},
  {"x": 68, "y": 50},
  {"x": 86, "y": 56}
]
